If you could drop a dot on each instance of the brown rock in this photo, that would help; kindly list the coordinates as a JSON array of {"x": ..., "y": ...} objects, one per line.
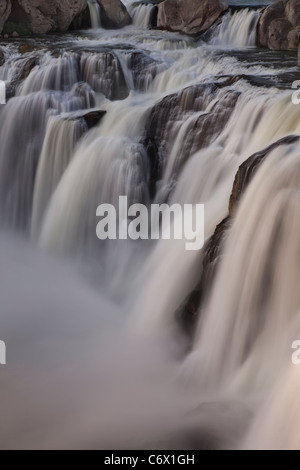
[
  {"x": 114, "y": 14},
  {"x": 279, "y": 26},
  {"x": 189, "y": 16},
  {"x": 5, "y": 9},
  {"x": 278, "y": 34},
  {"x": 292, "y": 11},
  {"x": 25, "y": 48},
  {"x": 43, "y": 16}
]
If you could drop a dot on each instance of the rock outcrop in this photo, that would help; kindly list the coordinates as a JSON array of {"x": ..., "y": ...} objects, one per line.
[
  {"x": 189, "y": 16},
  {"x": 43, "y": 16},
  {"x": 279, "y": 26},
  {"x": 114, "y": 14},
  {"x": 5, "y": 9}
]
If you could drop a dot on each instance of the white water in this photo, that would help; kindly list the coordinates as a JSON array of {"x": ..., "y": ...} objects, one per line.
[
  {"x": 95, "y": 14},
  {"x": 141, "y": 14},
  {"x": 97, "y": 358},
  {"x": 237, "y": 29}
]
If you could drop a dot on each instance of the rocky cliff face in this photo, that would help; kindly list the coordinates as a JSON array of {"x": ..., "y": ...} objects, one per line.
[
  {"x": 279, "y": 26},
  {"x": 189, "y": 16}
]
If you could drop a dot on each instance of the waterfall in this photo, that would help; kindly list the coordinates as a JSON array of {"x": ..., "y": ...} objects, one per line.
[
  {"x": 238, "y": 29},
  {"x": 141, "y": 14},
  {"x": 61, "y": 136},
  {"x": 120, "y": 343},
  {"x": 94, "y": 8}
]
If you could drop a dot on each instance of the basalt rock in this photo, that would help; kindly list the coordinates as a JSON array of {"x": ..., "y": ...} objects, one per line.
[
  {"x": 43, "y": 16},
  {"x": 191, "y": 17},
  {"x": 114, "y": 14},
  {"x": 279, "y": 26}
]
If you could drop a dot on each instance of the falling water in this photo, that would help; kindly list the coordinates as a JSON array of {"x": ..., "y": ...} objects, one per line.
[
  {"x": 238, "y": 29},
  {"x": 94, "y": 13},
  {"x": 93, "y": 328},
  {"x": 141, "y": 14}
]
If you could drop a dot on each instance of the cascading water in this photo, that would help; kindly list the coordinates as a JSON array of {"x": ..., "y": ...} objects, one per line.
[
  {"x": 159, "y": 118},
  {"x": 238, "y": 29},
  {"x": 95, "y": 13},
  {"x": 141, "y": 14}
]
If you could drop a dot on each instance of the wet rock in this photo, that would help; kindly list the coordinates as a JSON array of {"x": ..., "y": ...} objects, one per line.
[
  {"x": 189, "y": 16},
  {"x": 114, "y": 14},
  {"x": 5, "y": 9},
  {"x": 279, "y": 26},
  {"x": 248, "y": 169},
  {"x": 43, "y": 16},
  {"x": 93, "y": 118}
]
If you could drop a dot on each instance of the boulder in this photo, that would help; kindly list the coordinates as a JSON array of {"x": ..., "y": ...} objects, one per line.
[
  {"x": 114, "y": 14},
  {"x": 5, "y": 9},
  {"x": 279, "y": 26},
  {"x": 43, "y": 16},
  {"x": 189, "y": 16}
]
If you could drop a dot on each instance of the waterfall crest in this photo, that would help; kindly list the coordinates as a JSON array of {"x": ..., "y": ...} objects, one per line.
[{"x": 237, "y": 29}]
